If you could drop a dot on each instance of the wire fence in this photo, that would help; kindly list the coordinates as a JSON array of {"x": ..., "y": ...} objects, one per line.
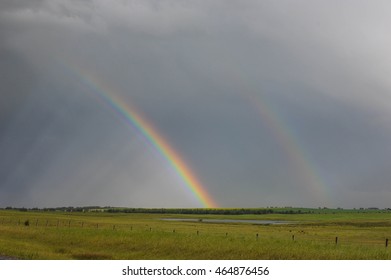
[{"x": 137, "y": 226}]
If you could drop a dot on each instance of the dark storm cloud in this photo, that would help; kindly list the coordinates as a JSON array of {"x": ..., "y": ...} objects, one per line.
[
  {"x": 12, "y": 5},
  {"x": 321, "y": 69},
  {"x": 16, "y": 79}
]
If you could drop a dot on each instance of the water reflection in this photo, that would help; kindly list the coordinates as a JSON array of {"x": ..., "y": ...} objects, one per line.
[{"x": 219, "y": 221}]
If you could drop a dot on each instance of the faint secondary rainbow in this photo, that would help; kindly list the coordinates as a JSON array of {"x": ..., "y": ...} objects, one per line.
[
  {"x": 287, "y": 140},
  {"x": 131, "y": 116},
  {"x": 298, "y": 156}
]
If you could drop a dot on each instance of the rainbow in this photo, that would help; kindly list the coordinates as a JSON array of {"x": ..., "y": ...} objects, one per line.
[
  {"x": 130, "y": 115},
  {"x": 305, "y": 167},
  {"x": 288, "y": 142}
]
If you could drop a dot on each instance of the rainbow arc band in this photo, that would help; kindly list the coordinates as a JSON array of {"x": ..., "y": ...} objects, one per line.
[{"x": 132, "y": 117}]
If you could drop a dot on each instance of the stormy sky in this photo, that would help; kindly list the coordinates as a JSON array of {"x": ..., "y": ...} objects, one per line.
[{"x": 270, "y": 103}]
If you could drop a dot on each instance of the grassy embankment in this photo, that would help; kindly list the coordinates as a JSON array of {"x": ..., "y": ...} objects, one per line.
[{"x": 59, "y": 235}]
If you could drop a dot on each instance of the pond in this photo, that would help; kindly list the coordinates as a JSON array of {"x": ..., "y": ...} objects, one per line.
[{"x": 220, "y": 221}]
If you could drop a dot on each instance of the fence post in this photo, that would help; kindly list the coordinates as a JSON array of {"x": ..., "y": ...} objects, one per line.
[
  {"x": 198, "y": 232},
  {"x": 336, "y": 240},
  {"x": 257, "y": 235},
  {"x": 293, "y": 237},
  {"x": 386, "y": 242}
]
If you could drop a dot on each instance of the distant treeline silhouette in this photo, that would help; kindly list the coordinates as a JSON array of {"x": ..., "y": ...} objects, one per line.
[{"x": 215, "y": 211}]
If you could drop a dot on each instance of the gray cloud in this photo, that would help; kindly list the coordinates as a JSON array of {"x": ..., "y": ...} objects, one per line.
[{"x": 321, "y": 69}]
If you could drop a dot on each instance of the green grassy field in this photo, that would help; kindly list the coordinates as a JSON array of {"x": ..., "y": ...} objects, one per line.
[{"x": 100, "y": 235}]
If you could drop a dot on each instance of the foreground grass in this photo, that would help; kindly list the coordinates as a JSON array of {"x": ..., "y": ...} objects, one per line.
[{"x": 146, "y": 236}]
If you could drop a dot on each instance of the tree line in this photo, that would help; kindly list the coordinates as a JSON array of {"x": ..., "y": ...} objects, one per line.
[{"x": 199, "y": 211}]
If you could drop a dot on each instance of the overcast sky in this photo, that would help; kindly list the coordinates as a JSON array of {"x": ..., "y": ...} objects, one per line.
[{"x": 270, "y": 103}]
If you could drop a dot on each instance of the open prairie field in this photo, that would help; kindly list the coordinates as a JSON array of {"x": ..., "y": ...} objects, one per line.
[{"x": 102, "y": 235}]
